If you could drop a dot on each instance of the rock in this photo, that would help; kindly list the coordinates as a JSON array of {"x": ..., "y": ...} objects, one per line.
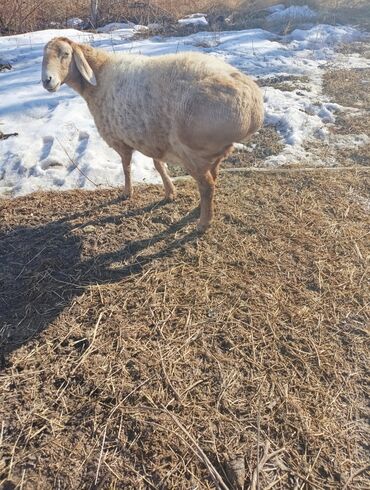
[{"x": 88, "y": 229}]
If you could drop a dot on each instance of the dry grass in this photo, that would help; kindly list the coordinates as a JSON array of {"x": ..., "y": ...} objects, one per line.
[
  {"x": 139, "y": 355},
  {"x": 286, "y": 82},
  {"x": 346, "y": 154},
  {"x": 354, "y": 12},
  {"x": 348, "y": 87},
  {"x": 265, "y": 143},
  {"x": 360, "y": 47},
  {"x": 18, "y": 16},
  {"x": 346, "y": 144}
]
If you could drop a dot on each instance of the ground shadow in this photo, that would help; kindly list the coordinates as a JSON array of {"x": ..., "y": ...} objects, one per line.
[{"x": 41, "y": 270}]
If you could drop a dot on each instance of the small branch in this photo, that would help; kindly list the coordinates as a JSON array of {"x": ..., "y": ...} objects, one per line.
[
  {"x": 192, "y": 386},
  {"x": 201, "y": 454},
  {"x": 279, "y": 170},
  {"x": 356, "y": 473},
  {"x": 100, "y": 456},
  {"x": 74, "y": 163},
  {"x": 5, "y": 136},
  {"x": 168, "y": 381},
  {"x": 259, "y": 467},
  {"x": 89, "y": 349}
]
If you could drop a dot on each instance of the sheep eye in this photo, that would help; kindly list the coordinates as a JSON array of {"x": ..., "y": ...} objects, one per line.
[{"x": 65, "y": 55}]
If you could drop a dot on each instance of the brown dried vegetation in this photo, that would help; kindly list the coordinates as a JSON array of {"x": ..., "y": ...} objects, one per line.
[
  {"x": 142, "y": 356},
  {"x": 348, "y": 87},
  {"x": 21, "y": 16}
]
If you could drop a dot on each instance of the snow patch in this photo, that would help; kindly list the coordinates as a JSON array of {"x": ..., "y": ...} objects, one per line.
[
  {"x": 324, "y": 35},
  {"x": 58, "y": 146},
  {"x": 115, "y": 26},
  {"x": 241, "y": 147},
  {"x": 276, "y": 8},
  {"x": 75, "y": 23},
  {"x": 194, "y": 19},
  {"x": 291, "y": 14}
]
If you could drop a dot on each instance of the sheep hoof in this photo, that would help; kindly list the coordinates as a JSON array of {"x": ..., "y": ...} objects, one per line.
[
  {"x": 170, "y": 197},
  {"x": 126, "y": 196},
  {"x": 202, "y": 227}
]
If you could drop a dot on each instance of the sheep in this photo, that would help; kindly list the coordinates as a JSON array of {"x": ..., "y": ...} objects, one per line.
[{"x": 186, "y": 108}]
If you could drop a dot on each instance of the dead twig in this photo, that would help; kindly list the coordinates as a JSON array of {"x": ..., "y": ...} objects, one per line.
[
  {"x": 74, "y": 163},
  {"x": 201, "y": 454},
  {"x": 5, "y": 136},
  {"x": 355, "y": 474},
  {"x": 259, "y": 467},
  {"x": 89, "y": 349}
]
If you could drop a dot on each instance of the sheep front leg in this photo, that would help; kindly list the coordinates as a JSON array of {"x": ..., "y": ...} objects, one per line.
[
  {"x": 206, "y": 184},
  {"x": 169, "y": 188},
  {"x": 126, "y": 164}
]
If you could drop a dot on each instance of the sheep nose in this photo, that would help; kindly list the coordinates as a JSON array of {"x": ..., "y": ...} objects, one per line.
[{"x": 47, "y": 80}]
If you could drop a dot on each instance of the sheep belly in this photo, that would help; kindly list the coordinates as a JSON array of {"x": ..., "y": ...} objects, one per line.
[{"x": 127, "y": 121}]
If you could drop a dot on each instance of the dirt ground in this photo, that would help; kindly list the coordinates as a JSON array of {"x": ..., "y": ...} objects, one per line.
[{"x": 137, "y": 354}]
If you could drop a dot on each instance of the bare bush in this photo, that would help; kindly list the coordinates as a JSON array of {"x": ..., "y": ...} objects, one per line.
[{"x": 18, "y": 16}]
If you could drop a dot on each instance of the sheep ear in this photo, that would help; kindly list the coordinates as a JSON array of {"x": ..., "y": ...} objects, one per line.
[{"x": 83, "y": 66}]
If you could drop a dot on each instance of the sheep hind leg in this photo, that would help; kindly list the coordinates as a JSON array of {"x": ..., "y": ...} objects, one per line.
[
  {"x": 216, "y": 168},
  {"x": 169, "y": 188},
  {"x": 206, "y": 184},
  {"x": 126, "y": 164}
]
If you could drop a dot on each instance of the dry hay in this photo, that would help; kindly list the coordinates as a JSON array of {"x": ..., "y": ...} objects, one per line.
[
  {"x": 287, "y": 83},
  {"x": 355, "y": 12},
  {"x": 339, "y": 156},
  {"x": 141, "y": 355},
  {"x": 347, "y": 142},
  {"x": 348, "y": 87},
  {"x": 360, "y": 47},
  {"x": 265, "y": 143}
]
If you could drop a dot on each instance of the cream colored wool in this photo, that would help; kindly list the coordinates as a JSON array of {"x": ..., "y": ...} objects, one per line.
[{"x": 186, "y": 108}]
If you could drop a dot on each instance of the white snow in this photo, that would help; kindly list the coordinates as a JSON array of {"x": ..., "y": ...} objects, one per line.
[
  {"x": 75, "y": 22},
  {"x": 58, "y": 146},
  {"x": 323, "y": 35},
  {"x": 116, "y": 26},
  {"x": 276, "y": 8},
  {"x": 194, "y": 19},
  {"x": 198, "y": 14},
  {"x": 295, "y": 12}
]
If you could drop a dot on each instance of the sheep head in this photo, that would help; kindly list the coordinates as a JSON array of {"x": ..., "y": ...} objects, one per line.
[{"x": 64, "y": 62}]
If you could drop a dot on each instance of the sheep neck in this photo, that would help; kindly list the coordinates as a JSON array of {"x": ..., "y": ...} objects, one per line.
[{"x": 96, "y": 58}]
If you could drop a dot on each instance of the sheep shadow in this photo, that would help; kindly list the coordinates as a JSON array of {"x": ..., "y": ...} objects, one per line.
[{"x": 42, "y": 271}]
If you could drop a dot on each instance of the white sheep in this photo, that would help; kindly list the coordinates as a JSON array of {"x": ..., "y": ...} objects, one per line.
[{"x": 186, "y": 108}]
